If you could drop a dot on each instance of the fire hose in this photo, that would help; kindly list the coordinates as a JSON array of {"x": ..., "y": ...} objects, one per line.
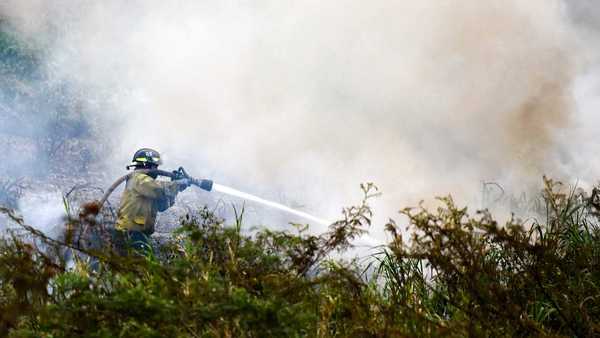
[{"x": 174, "y": 175}]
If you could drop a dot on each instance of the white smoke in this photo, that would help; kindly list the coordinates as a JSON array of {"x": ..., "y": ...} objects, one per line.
[
  {"x": 311, "y": 98},
  {"x": 44, "y": 210}
]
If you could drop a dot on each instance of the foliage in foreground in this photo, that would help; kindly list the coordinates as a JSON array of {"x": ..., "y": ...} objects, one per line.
[{"x": 460, "y": 276}]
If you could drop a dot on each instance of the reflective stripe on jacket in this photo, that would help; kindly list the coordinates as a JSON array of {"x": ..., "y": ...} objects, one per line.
[{"x": 141, "y": 200}]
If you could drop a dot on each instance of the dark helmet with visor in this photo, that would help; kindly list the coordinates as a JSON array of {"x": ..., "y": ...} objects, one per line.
[{"x": 146, "y": 158}]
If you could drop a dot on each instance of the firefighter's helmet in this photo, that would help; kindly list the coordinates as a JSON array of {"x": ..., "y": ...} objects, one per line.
[{"x": 146, "y": 158}]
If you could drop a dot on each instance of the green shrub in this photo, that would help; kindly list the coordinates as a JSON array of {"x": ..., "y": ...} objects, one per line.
[{"x": 457, "y": 276}]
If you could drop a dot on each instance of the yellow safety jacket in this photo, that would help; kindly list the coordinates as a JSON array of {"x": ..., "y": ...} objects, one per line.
[{"x": 142, "y": 199}]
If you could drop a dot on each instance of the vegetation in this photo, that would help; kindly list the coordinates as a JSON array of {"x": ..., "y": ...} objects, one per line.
[{"x": 458, "y": 275}]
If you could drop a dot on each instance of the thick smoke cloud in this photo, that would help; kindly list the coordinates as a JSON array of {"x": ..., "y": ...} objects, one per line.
[{"x": 301, "y": 101}]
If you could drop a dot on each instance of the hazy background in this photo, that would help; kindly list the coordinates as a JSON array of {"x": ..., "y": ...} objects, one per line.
[{"x": 300, "y": 101}]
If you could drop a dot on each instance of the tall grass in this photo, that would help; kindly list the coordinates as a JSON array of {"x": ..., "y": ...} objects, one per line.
[{"x": 457, "y": 275}]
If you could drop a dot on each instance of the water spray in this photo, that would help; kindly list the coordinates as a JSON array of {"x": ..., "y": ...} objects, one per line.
[{"x": 232, "y": 192}]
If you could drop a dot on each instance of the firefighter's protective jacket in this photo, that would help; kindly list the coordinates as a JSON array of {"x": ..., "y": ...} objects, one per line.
[{"x": 142, "y": 199}]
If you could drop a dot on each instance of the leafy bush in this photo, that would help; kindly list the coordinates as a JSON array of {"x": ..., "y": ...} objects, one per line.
[{"x": 457, "y": 276}]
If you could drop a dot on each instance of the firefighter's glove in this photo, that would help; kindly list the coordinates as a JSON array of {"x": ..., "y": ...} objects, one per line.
[{"x": 183, "y": 183}]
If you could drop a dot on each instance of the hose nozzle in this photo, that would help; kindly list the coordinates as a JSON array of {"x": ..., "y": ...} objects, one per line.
[{"x": 204, "y": 184}]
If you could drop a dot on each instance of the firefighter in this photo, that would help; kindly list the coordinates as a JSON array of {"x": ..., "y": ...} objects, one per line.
[{"x": 142, "y": 198}]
